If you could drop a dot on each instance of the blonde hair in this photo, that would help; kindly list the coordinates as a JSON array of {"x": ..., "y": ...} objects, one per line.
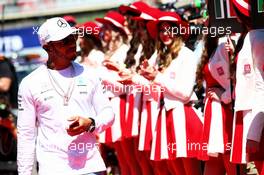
[
  {"x": 210, "y": 45},
  {"x": 169, "y": 53}
]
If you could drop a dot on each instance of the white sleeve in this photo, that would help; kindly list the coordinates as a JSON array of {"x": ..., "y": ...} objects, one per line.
[
  {"x": 221, "y": 55},
  {"x": 257, "y": 125},
  {"x": 104, "y": 112},
  {"x": 181, "y": 86},
  {"x": 26, "y": 130}
]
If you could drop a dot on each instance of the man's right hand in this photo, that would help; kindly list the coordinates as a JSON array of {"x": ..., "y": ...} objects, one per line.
[{"x": 78, "y": 125}]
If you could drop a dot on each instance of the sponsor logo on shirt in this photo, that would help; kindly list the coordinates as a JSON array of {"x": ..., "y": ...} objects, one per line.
[
  {"x": 247, "y": 69},
  {"x": 172, "y": 75},
  {"x": 19, "y": 100},
  {"x": 220, "y": 71},
  {"x": 82, "y": 88},
  {"x": 45, "y": 90},
  {"x": 48, "y": 98},
  {"x": 45, "y": 87}
]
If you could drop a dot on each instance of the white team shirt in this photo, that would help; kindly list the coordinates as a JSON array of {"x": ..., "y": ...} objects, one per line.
[{"x": 42, "y": 122}]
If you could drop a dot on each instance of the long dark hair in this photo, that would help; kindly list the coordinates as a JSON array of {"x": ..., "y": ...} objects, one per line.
[
  {"x": 96, "y": 42},
  {"x": 134, "y": 44},
  {"x": 149, "y": 47},
  {"x": 210, "y": 45}
]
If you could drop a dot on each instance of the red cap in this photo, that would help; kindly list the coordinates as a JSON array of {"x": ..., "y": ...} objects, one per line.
[
  {"x": 90, "y": 28},
  {"x": 69, "y": 18},
  {"x": 135, "y": 7},
  {"x": 243, "y": 6},
  {"x": 165, "y": 16},
  {"x": 114, "y": 18},
  {"x": 150, "y": 14}
]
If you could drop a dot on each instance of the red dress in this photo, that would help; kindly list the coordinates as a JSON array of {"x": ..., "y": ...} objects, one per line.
[
  {"x": 218, "y": 122},
  {"x": 149, "y": 116},
  {"x": 133, "y": 109},
  {"x": 177, "y": 133}
]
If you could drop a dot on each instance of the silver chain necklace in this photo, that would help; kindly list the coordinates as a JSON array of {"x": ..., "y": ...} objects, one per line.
[{"x": 65, "y": 95}]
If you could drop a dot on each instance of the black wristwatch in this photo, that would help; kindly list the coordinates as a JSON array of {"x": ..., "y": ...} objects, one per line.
[{"x": 91, "y": 128}]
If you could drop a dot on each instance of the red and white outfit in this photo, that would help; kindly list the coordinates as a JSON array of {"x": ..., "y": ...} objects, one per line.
[
  {"x": 257, "y": 125},
  {"x": 149, "y": 116},
  {"x": 244, "y": 100},
  {"x": 178, "y": 124},
  {"x": 218, "y": 117},
  {"x": 117, "y": 94},
  {"x": 150, "y": 108},
  {"x": 136, "y": 101},
  {"x": 133, "y": 103},
  {"x": 115, "y": 90},
  {"x": 249, "y": 91}
]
